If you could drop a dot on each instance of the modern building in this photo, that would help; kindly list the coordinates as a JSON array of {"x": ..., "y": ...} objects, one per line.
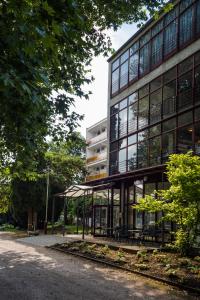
[
  {"x": 96, "y": 151},
  {"x": 153, "y": 111}
]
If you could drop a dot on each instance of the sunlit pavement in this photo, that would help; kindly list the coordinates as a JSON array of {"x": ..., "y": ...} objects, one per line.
[{"x": 34, "y": 272}]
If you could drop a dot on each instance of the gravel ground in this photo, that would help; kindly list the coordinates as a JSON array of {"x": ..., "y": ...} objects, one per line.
[{"x": 30, "y": 272}]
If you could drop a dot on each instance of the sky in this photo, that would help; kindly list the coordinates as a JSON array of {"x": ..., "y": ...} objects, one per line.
[{"x": 95, "y": 109}]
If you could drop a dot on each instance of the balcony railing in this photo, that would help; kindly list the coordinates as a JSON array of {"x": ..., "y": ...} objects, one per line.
[
  {"x": 98, "y": 157},
  {"x": 96, "y": 176},
  {"x": 97, "y": 138}
]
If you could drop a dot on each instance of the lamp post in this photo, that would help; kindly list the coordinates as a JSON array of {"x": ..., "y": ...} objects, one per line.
[{"x": 47, "y": 201}]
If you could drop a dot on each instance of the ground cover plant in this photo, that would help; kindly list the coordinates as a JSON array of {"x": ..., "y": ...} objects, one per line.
[{"x": 166, "y": 265}]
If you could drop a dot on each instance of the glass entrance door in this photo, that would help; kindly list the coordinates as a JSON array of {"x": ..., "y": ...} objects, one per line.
[{"x": 100, "y": 220}]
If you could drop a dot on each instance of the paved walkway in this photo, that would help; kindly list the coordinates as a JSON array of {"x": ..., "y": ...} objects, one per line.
[
  {"x": 49, "y": 240},
  {"x": 30, "y": 272}
]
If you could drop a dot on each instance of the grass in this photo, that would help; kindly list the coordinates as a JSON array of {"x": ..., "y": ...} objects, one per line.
[{"x": 70, "y": 229}]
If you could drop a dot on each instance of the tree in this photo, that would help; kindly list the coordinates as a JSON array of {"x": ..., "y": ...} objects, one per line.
[
  {"x": 47, "y": 47},
  {"x": 180, "y": 203},
  {"x": 65, "y": 164}
]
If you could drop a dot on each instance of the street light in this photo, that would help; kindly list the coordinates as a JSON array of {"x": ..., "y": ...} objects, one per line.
[{"x": 47, "y": 201}]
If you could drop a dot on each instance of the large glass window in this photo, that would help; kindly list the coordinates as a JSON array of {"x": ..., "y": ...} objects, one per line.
[
  {"x": 113, "y": 162},
  {"x": 132, "y": 118},
  {"x": 185, "y": 90},
  {"x": 156, "y": 49},
  {"x": 132, "y": 157},
  {"x": 198, "y": 17},
  {"x": 197, "y": 84},
  {"x": 184, "y": 139},
  {"x": 124, "y": 74},
  {"x": 143, "y": 112},
  {"x": 168, "y": 145},
  {"x": 133, "y": 66},
  {"x": 123, "y": 122},
  {"x": 197, "y": 138},
  {"x": 186, "y": 21},
  {"x": 155, "y": 106},
  {"x": 115, "y": 81},
  {"x": 154, "y": 151},
  {"x": 144, "y": 59},
  {"x": 142, "y": 154},
  {"x": 169, "y": 98},
  {"x": 114, "y": 127},
  {"x": 122, "y": 161},
  {"x": 170, "y": 38}
]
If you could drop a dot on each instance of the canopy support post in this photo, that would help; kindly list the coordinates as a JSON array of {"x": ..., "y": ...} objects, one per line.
[{"x": 83, "y": 232}]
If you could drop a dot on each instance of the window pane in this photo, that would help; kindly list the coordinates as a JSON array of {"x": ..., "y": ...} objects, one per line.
[
  {"x": 157, "y": 28},
  {"x": 132, "y": 118},
  {"x": 171, "y": 15},
  {"x": 142, "y": 154},
  {"x": 169, "y": 75},
  {"x": 143, "y": 112},
  {"x": 197, "y": 114},
  {"x": 155, "y": 130},
  {"x": 185, "y": 119},
  {"x": 155, "y": 106},
  {"x": 124, "y": 74},
  {"x": 122, "y": 161},
  {"x": 185, "y": 66},
  {"x": 144, "y": 59},
  {"x": 197, "y": 84},
  {"x": 168, "y": 145},
  {"x": 198, "y": 17},
  {"x": 184, "y": 139},
  {"x": 123, "y": 122},
  {"x": 197, "y": 138},
  {"x": 122, "y": 143},
  {"x": 186, "y": 20},
  {"x": 169, "y": 98},
  {"x": 144, "y": 91},
  {"x": 115, "y": 81},
  {"x": 155, "y": 84},
  {"x": 114, "y": 109},
  {"x": 115, "y": 64},
  {"x": 170, "y": 38},
  {"x": 169, "y": 124},
  {"x": 145, "y": 38},
  {"x": 132, "y": 157},
  {"x": 113, "y": 163},
  {"x": 133, "y": 98},
  {"x": 133, "y": 66},
  {"x": 197, "y": 58},
  {"x": 154, "y": 151},
  {"x": 156, "y": 49},
  {"x": 114, "y": 127},
  {"x": 132, "y": 139},
  {"x": 142, "y": 135},
  {"x": 134, "y": 47},
  {"x": 184, "y": 4},
  {"x": 124, "y": 56},
  {"x": 123, "y": 104},
  {"x": 185, "y": 90}
]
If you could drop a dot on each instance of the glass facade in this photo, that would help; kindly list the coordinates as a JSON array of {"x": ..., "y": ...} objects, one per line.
[
  {"x": 160, "y": 118},
  {"x": 175, "y": 30}
]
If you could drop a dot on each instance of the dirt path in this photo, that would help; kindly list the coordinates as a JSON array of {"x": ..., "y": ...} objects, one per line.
[{"x": 28, "y": 272}]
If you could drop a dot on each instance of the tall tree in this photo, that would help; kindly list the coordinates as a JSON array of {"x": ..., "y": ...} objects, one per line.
[{"x": 47, "y": 47}]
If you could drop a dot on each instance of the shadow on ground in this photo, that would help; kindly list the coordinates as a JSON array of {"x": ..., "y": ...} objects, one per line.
[{"x": 28, "y": 272}]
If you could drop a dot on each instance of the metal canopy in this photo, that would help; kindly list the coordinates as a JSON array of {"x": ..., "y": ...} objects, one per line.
[{"x": 75, "y": 191}]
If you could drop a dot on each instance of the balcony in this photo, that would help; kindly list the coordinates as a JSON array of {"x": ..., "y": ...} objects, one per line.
[
  {"x": 97, "y": 139},
  {"x": 96, "y": 176},
  {"x": 96, "y": 158}
]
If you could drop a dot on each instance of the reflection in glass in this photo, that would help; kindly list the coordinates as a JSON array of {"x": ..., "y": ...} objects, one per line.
[
  {"x": 115, "y": 81},
  {"x": 154, "y": 151},
  {"x": 113, "y": 162},
  {"x": 124, "y": 74},
  {"x": 132, "y": 118},
  {"x": 155, "y": 106},
  {"x": 144, "y": 59},
  {"x": 156, "y": 49},
  {"x": 122, "y": 161},
  {"x": 114, "y": 127},
  {"x": 168, "y": 145},
  {"x": 170, "y": 38},
  {"x": 143, "y": 112},
  {"x": 133, "y": 98},
  {"x": 132, "y": 157},
  {"x": 155, "y": 130},
  {"x": 185, "y": 90},
  {"x": 123, "y": 122},
  {"x": 184, "y": 139},
  {"x": 133, "y": 66},
  {"x": 142, "y": 154},
  {"x": 155, "y": 84},
  {"x": 185, "y": 118},
  {"x": 186, "y": 21},
  {"x": 132, "y": 139},
  {"x": 197, "y": 84},
  {"x": 169, "y": 124},
  {"x": 197, "y": 139}
]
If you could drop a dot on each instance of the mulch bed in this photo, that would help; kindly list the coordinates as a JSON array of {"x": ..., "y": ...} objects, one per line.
[{"x": 164, "y": 265}]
